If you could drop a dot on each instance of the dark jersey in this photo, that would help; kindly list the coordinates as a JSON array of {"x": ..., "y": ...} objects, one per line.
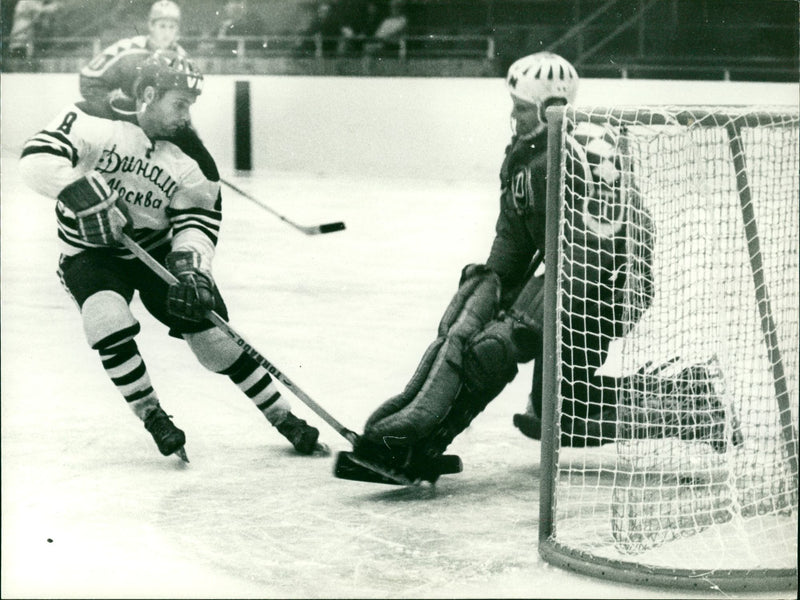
[
  {"x": 114, "y": 71},
  {"x": 520, "y": 228},
  {"x": 597, "y": 244}
]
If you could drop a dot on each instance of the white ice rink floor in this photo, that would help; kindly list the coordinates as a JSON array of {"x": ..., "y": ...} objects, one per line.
[{"x": 89, "y": 507}]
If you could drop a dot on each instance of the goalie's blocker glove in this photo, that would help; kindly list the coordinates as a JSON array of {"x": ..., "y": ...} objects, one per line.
[
  {"x": 101, "y": 221},
  {"x": 194, "y": 294}
]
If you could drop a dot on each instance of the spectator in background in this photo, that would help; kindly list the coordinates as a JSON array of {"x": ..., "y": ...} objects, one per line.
[
  {"x": 328, "y": 30},
  {"x": 361, "y": 22},
  {"x": 32, "y": 19},
  {"x": 240, "y": 21},
  {"x": 45, "y": 25},
  {"x": 387, "y": 36},
  {"x": 373, "y": 17}
]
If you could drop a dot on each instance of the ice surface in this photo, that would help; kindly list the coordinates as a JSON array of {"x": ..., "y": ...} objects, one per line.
[{"x": 90, "y": 509}]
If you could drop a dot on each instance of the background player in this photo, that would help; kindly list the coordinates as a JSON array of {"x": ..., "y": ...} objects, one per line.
[
  {"x": 108, "y": 174},
  {"x": 494, "y": 321},
  {"x": 109, "y": 76}
]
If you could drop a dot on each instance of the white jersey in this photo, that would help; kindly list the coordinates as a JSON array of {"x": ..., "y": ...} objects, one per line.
[{"x": 167, "y": 194}]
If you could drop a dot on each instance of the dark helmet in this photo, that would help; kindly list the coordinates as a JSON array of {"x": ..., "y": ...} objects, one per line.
[{"x": 167, "y": 71}]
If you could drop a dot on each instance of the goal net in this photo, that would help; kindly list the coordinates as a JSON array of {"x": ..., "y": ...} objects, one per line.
[{"x": 669, "y": 445}]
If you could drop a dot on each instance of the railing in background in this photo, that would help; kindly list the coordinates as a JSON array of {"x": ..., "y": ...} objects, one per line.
[
  {"x": 246, "y": 47},
  {"x": 230, "y": 55}
]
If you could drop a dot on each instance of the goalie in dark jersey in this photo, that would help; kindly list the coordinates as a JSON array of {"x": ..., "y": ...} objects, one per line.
[{"x": 494, "y": 321}]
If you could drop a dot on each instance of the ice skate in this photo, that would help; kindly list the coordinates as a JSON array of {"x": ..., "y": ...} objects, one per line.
[
  {"x": 529, "y": 424},
  {"x": 302, "y": 435},
  {"x": 168, "y": 438}
]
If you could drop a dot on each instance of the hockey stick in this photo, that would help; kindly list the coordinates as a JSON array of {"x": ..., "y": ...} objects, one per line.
[
  {"x": 223, "y": 325},
  {"x": 307, "y": 229}
]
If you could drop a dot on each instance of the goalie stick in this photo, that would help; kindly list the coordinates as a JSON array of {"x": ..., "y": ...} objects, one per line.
[
  {"x": 248, "y": 349},
  {"x": 307, "y": 229},
  {"x": 351, "y": 466}
]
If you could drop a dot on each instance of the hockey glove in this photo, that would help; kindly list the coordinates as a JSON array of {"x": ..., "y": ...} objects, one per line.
[
  {"x": 100, "y": 220},
  {"x": 194, "y": 294}
]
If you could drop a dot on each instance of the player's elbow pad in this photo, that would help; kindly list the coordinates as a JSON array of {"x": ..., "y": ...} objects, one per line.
[{"x": 42, "y": 173}]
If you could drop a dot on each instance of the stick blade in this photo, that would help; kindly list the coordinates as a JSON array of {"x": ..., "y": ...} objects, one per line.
[
  {"x": 331, "y": 227},
  {"x": 349, "y": 466},
  {"x": 345, "y": 467}
]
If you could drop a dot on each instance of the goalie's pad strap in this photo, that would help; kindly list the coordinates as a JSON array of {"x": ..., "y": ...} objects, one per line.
[{"x": 427, "y": 398}]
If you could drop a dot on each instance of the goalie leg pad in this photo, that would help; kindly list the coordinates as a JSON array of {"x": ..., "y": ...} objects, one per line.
[
  {"x": 474, "y": 304},
  {"x": 427, "y": 398},
  {"x": 396, "y": 403},
  {"x": 419, "y": 414},
  {"x": 466, "y": 407},
  {"x": 492, "y": 355}
]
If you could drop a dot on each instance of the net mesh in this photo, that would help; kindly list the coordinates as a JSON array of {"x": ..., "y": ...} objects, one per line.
[{"x": 677, "y": 337}]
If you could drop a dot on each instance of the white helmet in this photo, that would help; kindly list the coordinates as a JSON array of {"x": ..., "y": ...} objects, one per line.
[
  {"x": 165, "y": 9},
  {"x": 540, "y": 77}
]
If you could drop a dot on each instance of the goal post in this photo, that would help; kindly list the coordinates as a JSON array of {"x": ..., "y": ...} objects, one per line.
[{"x": 670, "y": 363}]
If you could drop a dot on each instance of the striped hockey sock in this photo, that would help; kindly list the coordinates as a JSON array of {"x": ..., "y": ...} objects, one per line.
[
  {"x": 257, "y": 384},
  {"x": 126, "y": 369}
]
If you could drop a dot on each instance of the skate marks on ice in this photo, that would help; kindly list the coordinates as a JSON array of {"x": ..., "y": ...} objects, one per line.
[{"x": 292, "y": 529}]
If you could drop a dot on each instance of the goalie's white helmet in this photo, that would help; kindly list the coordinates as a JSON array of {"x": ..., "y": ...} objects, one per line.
[
  {"x": 541, "y": 78},
  {"x": 165, "y": 9}
]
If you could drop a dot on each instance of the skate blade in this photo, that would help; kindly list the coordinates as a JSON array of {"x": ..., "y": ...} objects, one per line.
[
  {"x": 321, "y": 450},
  {"x": 181, "y": 453}
]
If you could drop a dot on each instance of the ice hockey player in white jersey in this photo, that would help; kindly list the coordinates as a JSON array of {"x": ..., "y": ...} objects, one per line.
[
  {"x": 110, "y": 75},
  {"x": 111, "y": 174}
]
